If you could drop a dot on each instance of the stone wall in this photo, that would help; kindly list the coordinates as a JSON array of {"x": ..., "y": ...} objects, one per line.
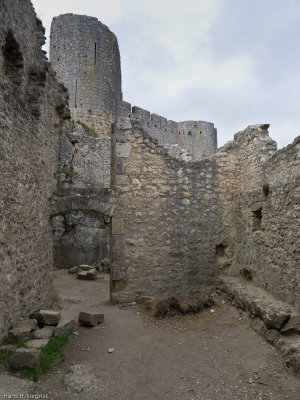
[
  {"x": 166, "y": 221},
  {"x": 84, "y": 160},
  {"x": 178, "y": 223},
  {"x": 267, "y": 223},
  {"x": 197, "y": 138},
  {"x": 85, "y": 56},
  {"x": 31, "y": 111}
]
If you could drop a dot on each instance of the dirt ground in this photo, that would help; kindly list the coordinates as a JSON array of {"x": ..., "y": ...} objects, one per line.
[{"x": 210, "y": 356}]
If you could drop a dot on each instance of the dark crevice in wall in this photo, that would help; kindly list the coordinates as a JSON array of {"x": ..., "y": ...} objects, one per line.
[
  {"x": 257, "y": 218},
  {"x": 12, "y": 59}
]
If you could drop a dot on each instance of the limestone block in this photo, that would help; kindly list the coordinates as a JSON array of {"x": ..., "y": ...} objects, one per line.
[
  {"x": 65, "y": 326},
  {"x": 90, "y": 319},
  {"x": 92, "y": 273},
  {"x": 117, "y": 226},
  {"x": 17, "y": 334},
  {"x": 32, "y": 323},
  {"x": 85, "y": 267},
  {"x": 292, "y": 325},
  {"x": 43, "y": 333},
  {"x": 87, "y": 275},
  {"x": 26, "y": 358},
  {"x": 37, "y": 343},
  {"x": 49, "y": 317},
  {"x": 123, "y": 150}
]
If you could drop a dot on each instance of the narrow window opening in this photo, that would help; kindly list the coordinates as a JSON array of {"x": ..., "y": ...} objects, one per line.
[
  {"x": 75, "y": 94},
  {"x": 257, "y": 218},
  {"x": 95, "y": 54},
  {"x": 220, "y": 250}
]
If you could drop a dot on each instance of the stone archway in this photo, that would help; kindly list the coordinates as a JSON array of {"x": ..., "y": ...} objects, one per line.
[{"x": 81, "y": 225}]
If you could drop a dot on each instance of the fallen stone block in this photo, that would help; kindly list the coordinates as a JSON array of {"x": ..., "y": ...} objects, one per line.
[
  {"x": 31, "y": 323},
  {"x": 48, "y": 317},
  {"x": 86, "y": 275},
  {"x": 7, "y": 349},
  {"x": 92, "y": 273},
  {"x": 82, "y": 275},
  {"x": 43, "y": 333},
  {"x": 37, "y": 343},
  {"x": 65, "y": 326},
  {"x": 73, "y": 270},
  {"x": 26, "y": 358},
  {"x": 90, "y": 319},
  {"x": 17, "y": 334},
  {"x": 85, "y": 267},
  {"x": 292, "y": 325}
]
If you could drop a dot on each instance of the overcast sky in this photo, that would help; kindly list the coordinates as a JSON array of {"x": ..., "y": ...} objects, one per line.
[{"x": 230, "y": 62}]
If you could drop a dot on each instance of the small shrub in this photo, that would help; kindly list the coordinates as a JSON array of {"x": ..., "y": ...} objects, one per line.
[
  {"x": 190, "y": 133},
  {"x": 69, "y": 172},
  {"x": 266, "y": 188},
  {"x": 72, "y": 124},
  {"x": 89, "y": 130}
]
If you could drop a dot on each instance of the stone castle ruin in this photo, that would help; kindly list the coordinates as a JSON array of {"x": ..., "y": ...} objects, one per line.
[{"x": 174, "y": 214}]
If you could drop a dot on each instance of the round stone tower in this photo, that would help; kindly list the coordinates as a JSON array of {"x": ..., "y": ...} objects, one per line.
[{"x": 85, "y": 55}]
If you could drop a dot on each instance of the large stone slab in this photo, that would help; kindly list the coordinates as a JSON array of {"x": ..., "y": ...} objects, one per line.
[
  {"x": 257, "y": 301},
  {"x": 90, "y": 319},
  {"x": 49, "y": 317},
  {"x": 37, "y": 343},
  {"x": 43, "y": 333},
  {"x": 17, "y": 334},
  {"x": 26, "y": 358},
  {"x": 65, "y": 326}
]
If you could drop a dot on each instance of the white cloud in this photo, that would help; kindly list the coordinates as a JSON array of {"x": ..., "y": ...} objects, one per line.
[{"x": 228, "y": 62}]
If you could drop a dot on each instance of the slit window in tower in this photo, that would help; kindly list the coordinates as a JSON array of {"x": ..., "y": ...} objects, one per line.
[
  {"x": 95, "y": 54},
  {"x": 75, "y": 94}
]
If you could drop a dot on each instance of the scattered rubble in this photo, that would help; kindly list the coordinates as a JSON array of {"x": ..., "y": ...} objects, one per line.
[{"x": 178, "y": 306}]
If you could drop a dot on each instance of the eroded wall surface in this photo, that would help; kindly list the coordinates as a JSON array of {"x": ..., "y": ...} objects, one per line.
[
  {"x": 268, "y": 222},
  {"x": 31, "y": 111},
  {"x": 166, "y": 220},
  {"x": 179, "y": 224}
]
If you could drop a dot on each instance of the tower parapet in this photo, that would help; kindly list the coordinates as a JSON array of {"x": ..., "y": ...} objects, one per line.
[{"x": 198, "y": 138}]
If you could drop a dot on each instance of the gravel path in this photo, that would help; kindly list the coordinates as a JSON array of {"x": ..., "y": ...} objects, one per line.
[{"x": 209, "y": 356}]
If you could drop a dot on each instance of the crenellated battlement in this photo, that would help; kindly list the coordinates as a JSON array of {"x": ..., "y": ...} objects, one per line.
[
  {"x": 199, "y": 138},
  {"x": 85, "y": 56}
]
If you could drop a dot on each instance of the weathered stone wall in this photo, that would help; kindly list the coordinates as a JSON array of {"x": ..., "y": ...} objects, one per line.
[
  {"x": 31, "y": 111},
  {"x": 81, "y": 226},
  {"x": 85, "y": 56},
  {"x": 166, "y": 222},
  {"x": 178, "y": 223},
  {"x": 84, "y": 160},
  {"x": 198, "y": 138},
  {"x": 267, "y": 224}
]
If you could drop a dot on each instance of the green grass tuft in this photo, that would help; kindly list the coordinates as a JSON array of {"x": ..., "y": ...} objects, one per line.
[{"x": 52, "y": 354}]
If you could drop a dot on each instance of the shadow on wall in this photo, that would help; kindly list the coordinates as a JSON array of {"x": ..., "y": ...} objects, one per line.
[{"x": 80, "y": 237}]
